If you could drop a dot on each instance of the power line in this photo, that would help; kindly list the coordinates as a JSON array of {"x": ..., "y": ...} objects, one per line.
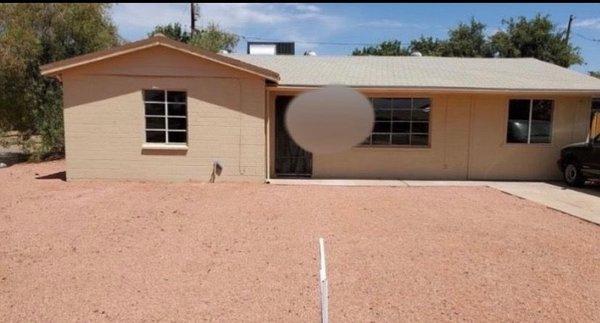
[
  {"x": 314, "y": 42},
  {"x": 587, "y": 38}
]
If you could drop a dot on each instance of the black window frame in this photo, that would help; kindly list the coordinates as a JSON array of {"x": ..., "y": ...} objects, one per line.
[
  {"x": 393, "y": 132},
  {"x": 530, "y": 121},
  {"x": 166, "y": 102}
]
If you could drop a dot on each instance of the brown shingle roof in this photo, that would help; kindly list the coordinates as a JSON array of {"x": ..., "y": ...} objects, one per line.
[{"x": 59, "y": 66}]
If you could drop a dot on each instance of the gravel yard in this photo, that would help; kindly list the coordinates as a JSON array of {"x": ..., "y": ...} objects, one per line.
[{"x": 105, "y": 250}]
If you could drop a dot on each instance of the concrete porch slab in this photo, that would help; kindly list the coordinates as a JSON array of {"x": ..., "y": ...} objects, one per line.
[
  {"x": 338, "y": 182},
  {"x": 583, "y": 203}
]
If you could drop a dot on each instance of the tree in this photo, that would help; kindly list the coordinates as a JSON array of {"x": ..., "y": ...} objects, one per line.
[
  {"x": 386, "y": 48},
  {"x": 214, "y": 39},
  {"x": 211, "y": 38},
  {"x": 536, "y": 38},
  {"x": 595, "y": 74},
  {"x": 173, "y": 31},
  {"x": 428, "y": 46},
  {"x": 467, "y": 40},
  {"x": 33, "y": 34}
]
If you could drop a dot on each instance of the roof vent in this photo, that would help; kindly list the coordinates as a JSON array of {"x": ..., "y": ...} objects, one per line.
[
  {"x": 310, "y": 53},
  {"x": 416, "y": 54},
  {"x": 224, "y": 52}
]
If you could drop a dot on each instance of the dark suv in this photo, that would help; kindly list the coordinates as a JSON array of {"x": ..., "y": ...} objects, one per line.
[{"x": 580, "y": 162}]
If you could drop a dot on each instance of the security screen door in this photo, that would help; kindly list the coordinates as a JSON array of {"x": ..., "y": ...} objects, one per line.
[{"x": 290, "y": 159}]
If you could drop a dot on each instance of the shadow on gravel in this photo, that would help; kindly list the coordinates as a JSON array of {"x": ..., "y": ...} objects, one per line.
[
  {"x": 60, "y": 175},
  {"x": 10, "y": 158}
]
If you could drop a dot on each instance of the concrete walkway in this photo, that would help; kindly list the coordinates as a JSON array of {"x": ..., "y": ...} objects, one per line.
[{"x": 583, "y": 203}]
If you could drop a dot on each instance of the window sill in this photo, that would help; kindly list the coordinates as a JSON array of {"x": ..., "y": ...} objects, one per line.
[
  {"x": 403, "y": 147},
  {"x": 525, "y": 145},
  {"x": 155, "y": 146}
]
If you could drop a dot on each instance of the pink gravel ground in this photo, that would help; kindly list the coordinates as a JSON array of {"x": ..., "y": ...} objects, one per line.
[{"x": 81, "y": 251}]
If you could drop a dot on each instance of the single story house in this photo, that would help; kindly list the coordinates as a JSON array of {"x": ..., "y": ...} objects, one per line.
[{"x": 158, "y": 109}]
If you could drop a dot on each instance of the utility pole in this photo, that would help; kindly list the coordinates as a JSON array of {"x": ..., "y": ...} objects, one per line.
[
  {"x": 569, "y": 29},
  {"x": 193, "y": 17}
]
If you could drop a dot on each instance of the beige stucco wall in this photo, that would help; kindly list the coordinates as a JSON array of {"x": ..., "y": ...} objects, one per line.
[
  {"x": 104, "y": 128},
  {"x": 491, "y": 157},
  {"x": 104, "y": 119},
  {"x": 467, "y": 141}
]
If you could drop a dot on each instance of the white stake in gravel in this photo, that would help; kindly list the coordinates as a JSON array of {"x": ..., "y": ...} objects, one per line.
[{"x": 323, "y": 284}]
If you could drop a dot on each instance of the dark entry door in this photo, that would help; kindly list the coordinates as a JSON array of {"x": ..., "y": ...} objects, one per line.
[{"x": 290, "y": 159}]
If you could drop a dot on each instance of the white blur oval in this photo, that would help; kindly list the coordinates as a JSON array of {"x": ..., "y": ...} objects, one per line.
[{"x": 330, "y": 119}]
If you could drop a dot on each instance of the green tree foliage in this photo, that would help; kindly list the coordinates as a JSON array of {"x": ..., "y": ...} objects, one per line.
[
  {"x": 595, "y": 74},
  {"x": 428, "y": 46},
  {"x": 467, "y": 40},
  {"x": 211, "y": 38},
  {"x": 386, "y": 48},
  {"x": 33, "y": 34},
  {"x": 173, "y": 31},
  {"x": 214, "y": 39},
  {"x": 536, "y": 37}
]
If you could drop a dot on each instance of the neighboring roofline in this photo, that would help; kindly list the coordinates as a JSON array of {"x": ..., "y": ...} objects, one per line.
[
  {"x": 441, "y": 89},
  {"x": 53, "y": 69}
]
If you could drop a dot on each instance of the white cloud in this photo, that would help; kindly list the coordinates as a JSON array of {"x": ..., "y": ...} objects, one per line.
[
  {"x": 592, "y": 23},
  {"x": 304, "y": 7},
  {"x": 382, "y": 23},
  {"x": 284, "y": 16},
  {"x": 148, "y": 15},
  {"x": 300, "y": 23},
  {"x": 389, "y": 23},
  {"x": 233, "y": 16},
  {"x": 297, "y": 22},
  {"x": 239, "y": 15}
]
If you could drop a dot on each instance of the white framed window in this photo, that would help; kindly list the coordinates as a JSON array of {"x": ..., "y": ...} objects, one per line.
[
  {"x": 166, "y": 116},
  {"x": 529, "y": 121},
  {"x": 400, "y": 122}
]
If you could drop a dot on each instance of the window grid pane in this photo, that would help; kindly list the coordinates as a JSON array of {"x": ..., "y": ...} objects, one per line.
[
  {"x": 400, "y": 121},
  {"x": 529, "y": 121},
  {"x": 165, "y": 116}
]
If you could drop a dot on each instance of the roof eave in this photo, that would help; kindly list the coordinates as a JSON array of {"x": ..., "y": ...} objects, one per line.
[
  {"x": 54, "y": 68},
  {"x": 300, "y": 87}
]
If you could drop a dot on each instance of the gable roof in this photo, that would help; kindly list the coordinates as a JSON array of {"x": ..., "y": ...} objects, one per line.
[
  {"x": 156, "y": 40},
  {"x": 451, "y": 73}
]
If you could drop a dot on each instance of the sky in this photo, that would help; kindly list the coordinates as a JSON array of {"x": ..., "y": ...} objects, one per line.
[{"x": 347, "y": 26}]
